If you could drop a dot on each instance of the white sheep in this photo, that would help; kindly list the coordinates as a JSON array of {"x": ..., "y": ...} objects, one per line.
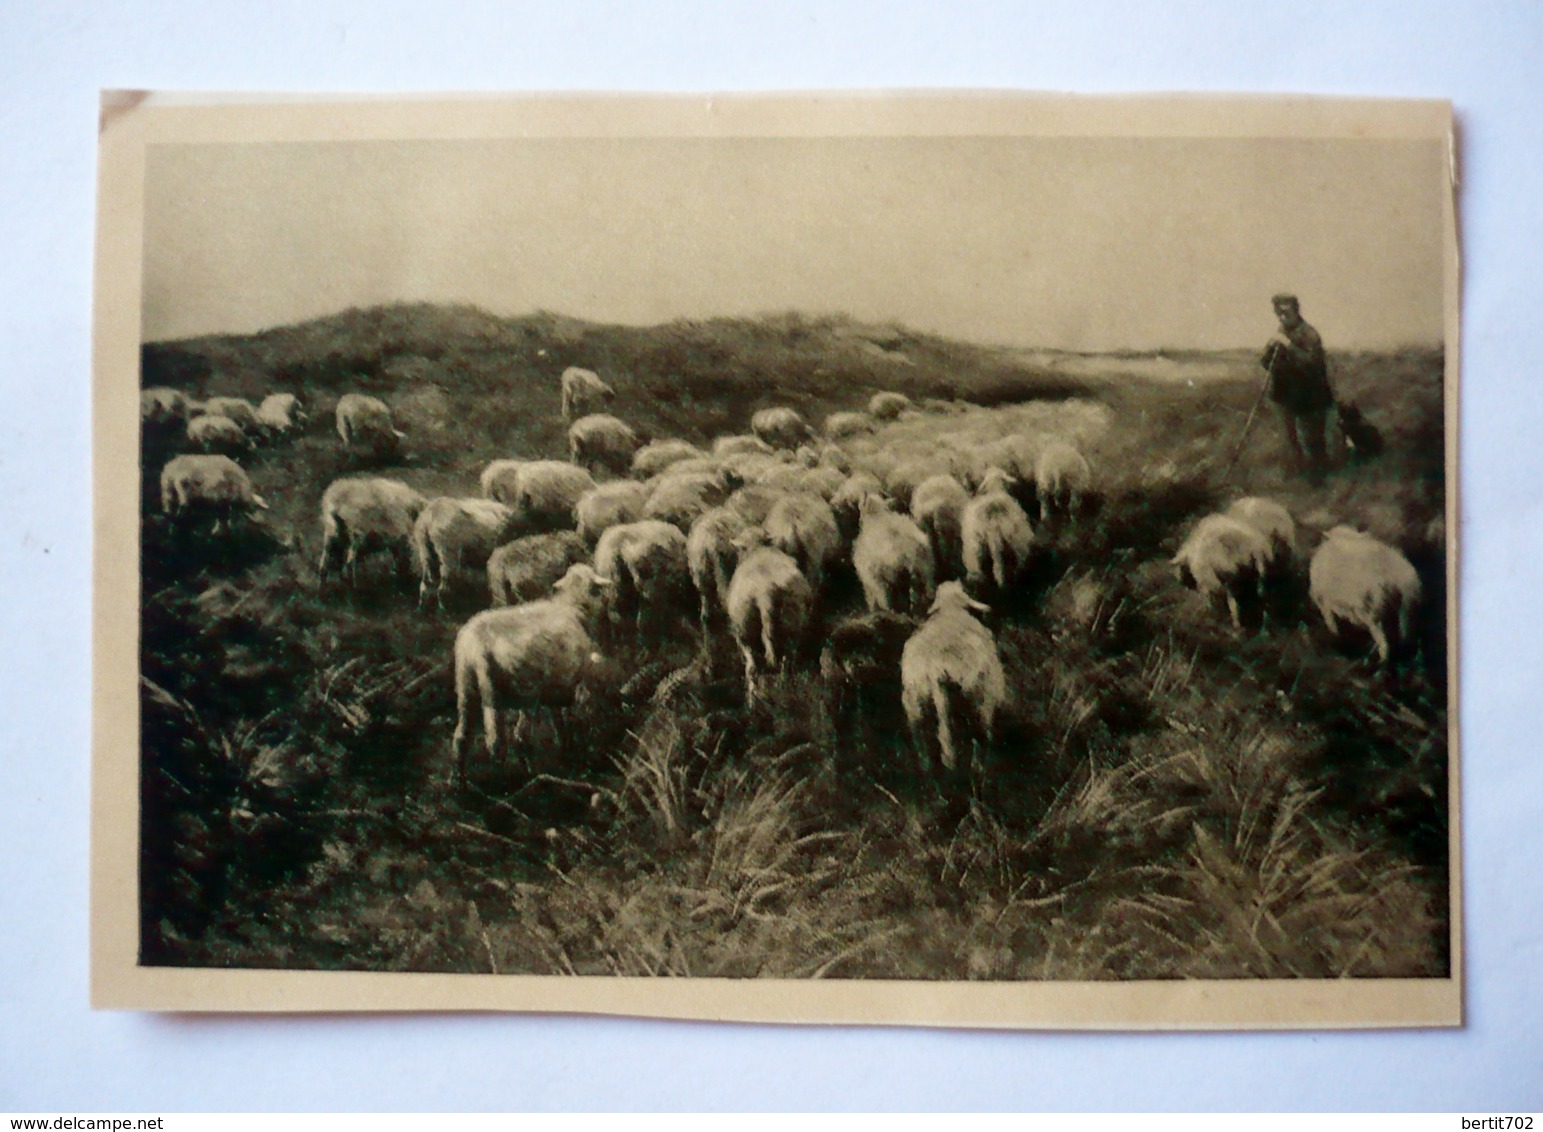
[
  {"x": 839, "y": 426},
  {"x": 451, "y": 536},
  {"x": 902, "y": 480},
  {"x": 1274, "y": 522},
  {"x": 951, "y": 666},
  {"x": 647, "y": 561},
  {"x": 364, "y": 513},
  {"x": 834, "y": 456},
  {"x": 888, "y": 406},
  {"x": 609, "y": 505},
  {"x": 770, "y": 604},
  {"x": 755, "y": 501},
  {"x": 996, "y": 534},
  {"x": 804, "y": 528},
  {"x": 526, "y": 657},
  {"x": 279, "y": 414},
  {"x": 711, "y": 557},
  {"x": 780, "y": 427},
  {"x": 500, "y": 480},
  {"x": 657, "y": 455},
  {"x": 207, "y": 484},
  {"x": 600, "y": 441},
  {"x": 546, "y": 493},
  {"x": 746, "y": 468},
  {"x": 823, "y": 481},
  {"x": 160, "y": 407},
  {"x": 238, "y": 409},
  {"x": 1358, "y": 579},
  {"x": 893, "y": 559},
  {"x": 364, "y": 423},
  {"x": 695, "y": 466},
  {"x": 527, "y": 568},
  {"x": 938, "y": 505},
  {"x": 1061, "y": 478},
  {"x": 1224, "y": 557},
  {"x": 216, "y": 432},
  {"x": 583, "y": 391}
]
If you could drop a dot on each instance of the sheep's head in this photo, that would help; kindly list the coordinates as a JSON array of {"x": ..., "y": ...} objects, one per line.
[
  {"x": 951, "y": 597},
  {"x": 995, "y": 480},
  {"x": 872, "y": 503},
  {"x": 583, "y": 588}
]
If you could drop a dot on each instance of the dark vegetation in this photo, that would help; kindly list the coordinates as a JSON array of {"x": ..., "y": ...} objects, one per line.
[{"x": 1163, "y": 799}]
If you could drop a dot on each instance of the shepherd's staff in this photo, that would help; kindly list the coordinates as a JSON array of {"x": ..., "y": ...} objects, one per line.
[{"x": 1269, "y": 376}]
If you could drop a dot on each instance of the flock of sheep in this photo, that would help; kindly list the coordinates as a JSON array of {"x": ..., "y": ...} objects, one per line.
[{"x": 579, "y": 552}]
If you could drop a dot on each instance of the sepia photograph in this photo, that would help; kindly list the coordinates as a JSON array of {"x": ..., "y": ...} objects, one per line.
[{"x": 978, "y": 560}]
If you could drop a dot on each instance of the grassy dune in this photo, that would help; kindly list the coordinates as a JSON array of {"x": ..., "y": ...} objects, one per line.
[{"x": 1164, "y": 798}]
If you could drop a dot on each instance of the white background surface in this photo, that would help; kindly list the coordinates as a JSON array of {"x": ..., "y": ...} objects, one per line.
[{"x": 57, "y": 1055}]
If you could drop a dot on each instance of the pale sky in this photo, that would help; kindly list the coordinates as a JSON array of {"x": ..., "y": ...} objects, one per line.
[{"x": 1068, "y": 243}]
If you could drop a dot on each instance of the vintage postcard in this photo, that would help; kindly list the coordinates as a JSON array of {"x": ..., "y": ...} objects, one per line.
[{"x": 948, "y": 559}]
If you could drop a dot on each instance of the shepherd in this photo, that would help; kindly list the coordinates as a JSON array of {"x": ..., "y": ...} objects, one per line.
[{"x": 1298, "y": 373}]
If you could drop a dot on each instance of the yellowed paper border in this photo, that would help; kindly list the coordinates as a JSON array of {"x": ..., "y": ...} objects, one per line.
[{"x": 131, "y": 122}]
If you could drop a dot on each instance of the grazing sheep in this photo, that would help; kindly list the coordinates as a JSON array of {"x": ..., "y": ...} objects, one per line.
[
  {"x": 725, "y": 446},
  {"x": 902, "y": 480},
  {"x": 770, "y": 604},
  {"x": 238, "y": 409},
  {"x": 647, "y": 561},
  {"x": 711, "y": 557},
  {"x": 681, "y": 499},
  {"x": 1274, "y": 522},
  {"x": 1061, "y": 478},
  {"x": 785, "y": 477},
  {"x": 888, "y": 406},
  {"x": 1224, "y": 556},
  {"x": 526, "y": 657},
  {"x": 893, "y": 559},
  {"x": 453, "y": 535},
  {"x": 996, "y": 535},
  {"x": 780, "y": 427},
  {"x": 583, "y": 391},
  {"x": 653, "y": 458},
  {"x": 839, "y": 426},
  {"x": 804, "y": 528},
  {"x": 601, "y": 441},
  {"x": 160, "y": 407},
  {"x": 546, "y": 493},
  {"x": 279, "y": 414},
  {"x": 860, "y": 665},
  {"x": 364, "y": 423},
  {"x": 1356, "y": 578},
  {"x": 217, "y": 433},
  {"x": 527, "y": 568},
  {"x": 747, "y": 468},
  {"x": 500, "y": 481},
  {"x": 848, "y": 499},
  {"x": 951, "y": 665},
  {"x": 696, "y": 466},
  {"x": 207, "y": 484},
  {"x": 364, "y": 513},
  {"x": 938, "y": 505},
  {"x": 609, "y": 505}
]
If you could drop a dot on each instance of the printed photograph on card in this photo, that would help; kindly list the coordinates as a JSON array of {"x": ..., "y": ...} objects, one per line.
[{"x": 925, "y": 558}]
